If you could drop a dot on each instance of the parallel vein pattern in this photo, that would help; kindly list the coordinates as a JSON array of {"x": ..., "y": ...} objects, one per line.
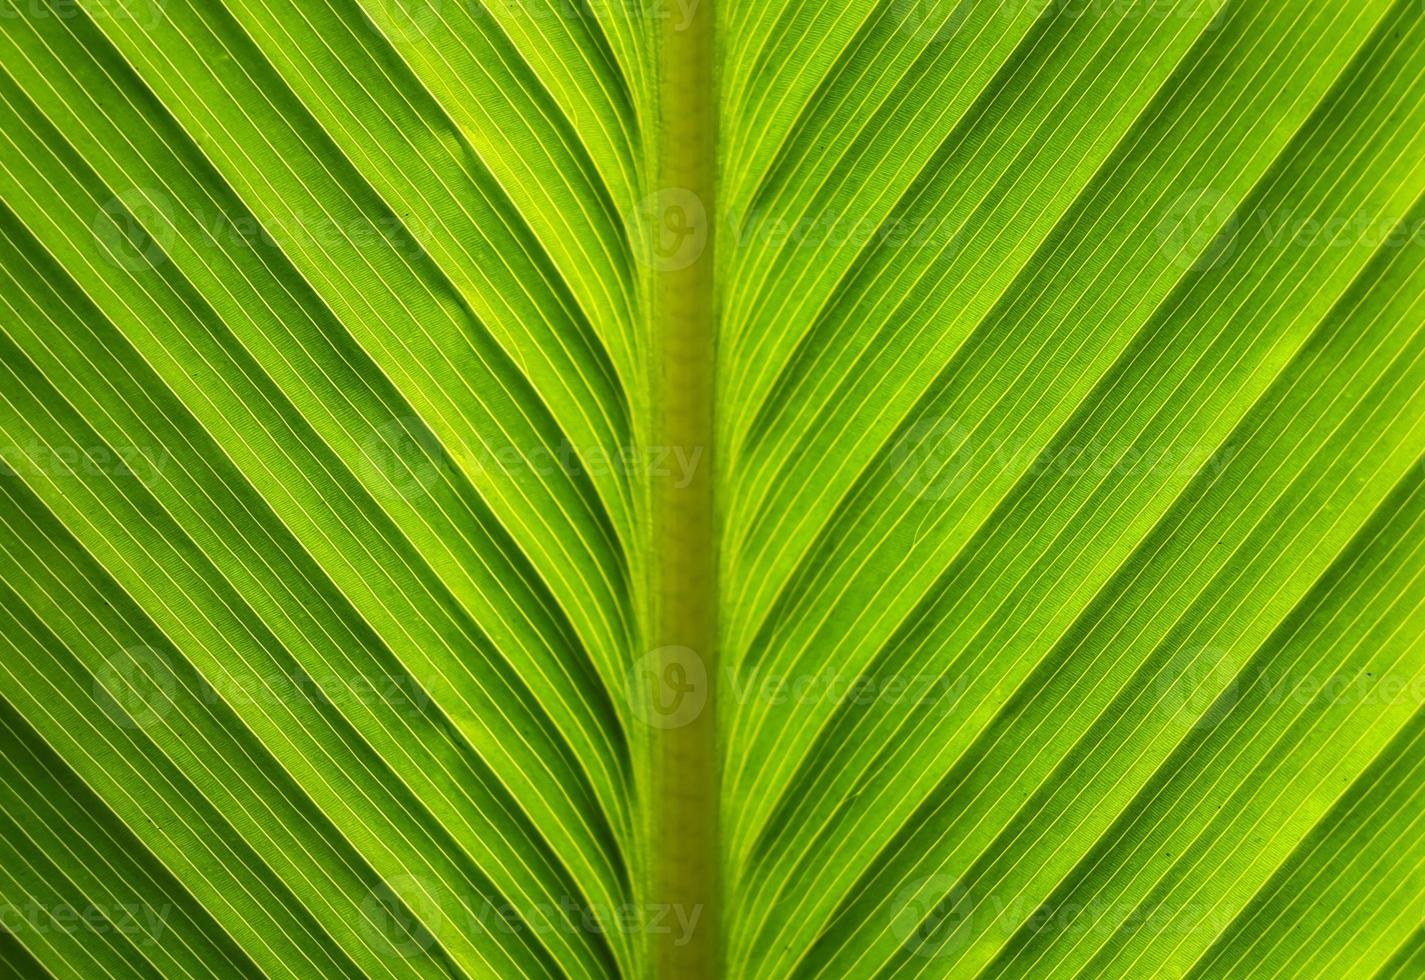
[
  {"x": 320, "y": 578},
  {"x": 1068, "y": 565},
  {"x": 1070, "y": 410}
]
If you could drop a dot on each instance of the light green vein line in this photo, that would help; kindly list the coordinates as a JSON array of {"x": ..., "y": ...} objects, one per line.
[
  {"x": 353, "y": 290},
  {"x": 1126, "y": 646},
  {"x": 616, "y": 811},
  {"x": 1114, "y": 639},
  {"x": 901, "y": 737},
  {"x": 223, "y": 836},
  {"x": 492, "y": 766},
  {"x": 1278, "y": 749},
  {"x": 445, "y": 476},
  {"x": 1043, "y": 311},
  {"x": 1069, "y": 417}
]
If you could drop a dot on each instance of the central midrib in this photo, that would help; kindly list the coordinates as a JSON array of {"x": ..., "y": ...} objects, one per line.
[{"x": 683, "y": 812}]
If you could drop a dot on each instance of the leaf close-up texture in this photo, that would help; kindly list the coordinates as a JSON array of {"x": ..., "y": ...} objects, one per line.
[{"x": 689, "y": 489}]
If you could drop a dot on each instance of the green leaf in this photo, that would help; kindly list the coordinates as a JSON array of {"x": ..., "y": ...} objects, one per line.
[{"x": 659, "y": 488}]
